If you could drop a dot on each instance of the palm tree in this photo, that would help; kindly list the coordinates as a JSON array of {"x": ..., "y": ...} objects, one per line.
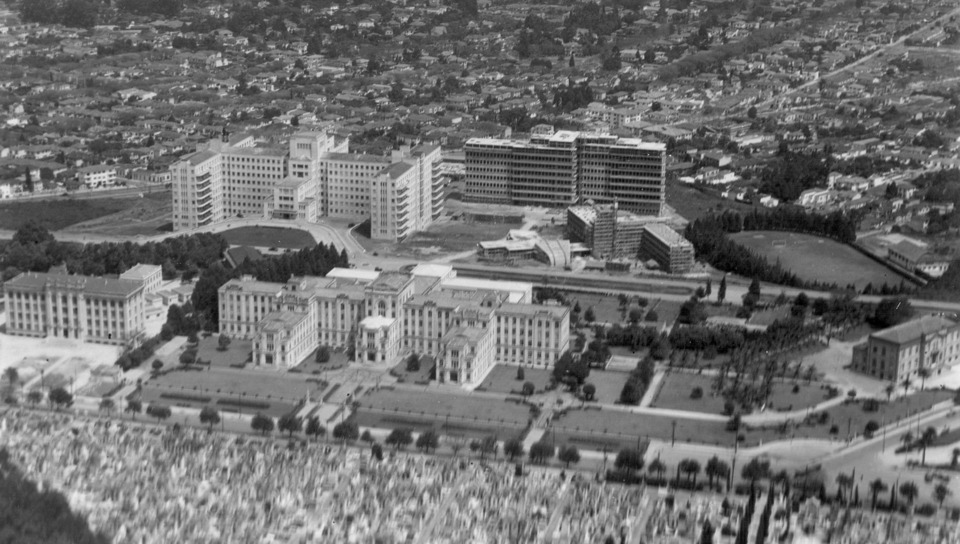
[
  {"x": 690, "y": 467},
  {"x": 657, "y": 466},
  {"x": 844, "y": 481},
  {"x": 907, "y": 439},
  {"x": 910, "y": 491},
  {"x": 924, "y": 373},
  {"x": 890, "y": 388},
  {"x": 876, "y": 487},
  {"x": 906, "y": 385},
  {"x": 926, "y": 439},
  {"x": 955, "y": 457}
]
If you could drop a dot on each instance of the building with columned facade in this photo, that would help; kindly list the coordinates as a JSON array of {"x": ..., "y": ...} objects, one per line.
[{"x": 385, "y": 315}]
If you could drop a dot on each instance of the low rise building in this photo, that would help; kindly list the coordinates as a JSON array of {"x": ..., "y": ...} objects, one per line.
[
  {"x": 94, "y": 177},
  {"x": 899, "y": 353},
  {"x": 914, "y": 257},
  {"x": 150, "y": 275}
]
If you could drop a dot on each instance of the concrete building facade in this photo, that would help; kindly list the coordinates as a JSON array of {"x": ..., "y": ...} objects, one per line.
[
  {"x": 609, "y": 232},
  {"x": 670, "y": 250},
  {"x": 86, "y": 308},
  {"x": 312, "y": 177},
  {"x": 899, "y": 353},
  {"x": 563, "y": 168}
]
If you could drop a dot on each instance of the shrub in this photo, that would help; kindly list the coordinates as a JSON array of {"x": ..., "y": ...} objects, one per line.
[
  {"x": 697, "y": 393},
  {"x": 834, "y": 429},
  {"x": 796, "y": 388},
  {"x": 323, "y": 354},
  {"x": 520, "y": 374},
  {"x": 870, "y": 428}
]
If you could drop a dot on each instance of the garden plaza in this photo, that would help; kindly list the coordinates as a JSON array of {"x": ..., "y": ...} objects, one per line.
[{"x": 468, "y": 324}]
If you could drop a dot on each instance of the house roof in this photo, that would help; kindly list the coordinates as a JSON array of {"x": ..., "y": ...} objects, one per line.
[{"x": 911, "y": 331}]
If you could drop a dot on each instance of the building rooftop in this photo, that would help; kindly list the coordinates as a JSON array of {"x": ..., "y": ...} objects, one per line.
[
  {"x": 354, "y": 273},
  {"x": 398, "y": 169},
  {"x": 88, "y": 284},
  {"x": 433, "y": 270},
  {"x": 390, "y": 281},
  {"x": 911, "y": 331},
  {"x": 281, "y": 321},
  {"x": 357, "y": 157},
  {"x": 464, "y": 336},
  {"x": 666, "y": 234},
  {"x": 376, "y": 322},
  {"x": 248, "y": 284},
  {"x": 140, "y": 271},
  {"x": 200, "y": 157},
  {"x": 909, "y": 250}
]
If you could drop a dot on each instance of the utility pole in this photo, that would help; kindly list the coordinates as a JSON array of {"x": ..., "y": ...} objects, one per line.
[{"x": 673, "y": 434}]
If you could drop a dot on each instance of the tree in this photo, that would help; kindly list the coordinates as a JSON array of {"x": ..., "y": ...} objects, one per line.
[
  {"x": 32, "y": 233},
  {"x": 223, "y": 342},
  {"x": 34, "y": 397},
  {"x": 290, "y": 424},
  {"x": 636, "y": 315},
  {"x": 156, "y": 365},
  {"x": 589, "y": 390},
  {"x": 376, "y": 451},
  {"x": 107, "y": 404},
  {"x": 209, "y": 416},
  {"x": 752, "y": 112},
  {"x": 629, "y": 459},
  {"x": 755, "y": 470},
  {"x": 542, "y": 451},
  {"x": 488, "y": 446},
  {"x": 716, "y": 468},
  {"x": 12, "y": 377},
  {"x": 910, "y": 491},
  {"x": 940, "y": 493},
  {"x": 413, "y": 363},
  {"x": 722, "y": 290},
  {"x": 924, "y": 373},
  {"x": 706, "y": 533},
  {"x": 656, "y": 466},
  {"x": 262, "y": 424},
  {"x": 428, "y": 440},
  {"x": 890, "y": 388},
  {"x": 876, "y": 488},
  {"x": 589, "y": 315},
  {"x": 188, "y": 357},
  {"x": 927, "y": 439},
  {"x": 323, "y": 354},
  {"x": 892, "y": 311},
  {"x": 159, "y": 411},
  {"x": 60, "y": 398},
  {"x": 513, "y": 448},
  {"x": 520, "y": 374},
  {"x": 690, "y": 467},
  {"x": 134, "y": 407},
  {"x": 569, "y": 454},
  {"x": 572, "y": 63},
  {"x": 528, "y": 389},
  {"x": 315, "y": 428},
  {"x": 954, "y": 457},
  {"x": 347, "y": 430}
]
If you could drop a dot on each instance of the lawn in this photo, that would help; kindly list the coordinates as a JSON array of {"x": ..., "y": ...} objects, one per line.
[
  {"x": 606, "y": 309},
  {"x": 56, "y": 214},
  {"x": 261, "y": 391},
  {"x": 813, "y": 258},
  {"x": 627, "y": 428},
  {"x": 449, "y": 414},
  {"x": 423, "y": 375},
  {"x": 609, "y": 384},
  {"x": 236, "y": 354},
  {"x": 277, "y": 237},
  {"x": 693, "y": 203},
  {"x": 503, "y": 379},
  {"x": 675, "y": 392}
]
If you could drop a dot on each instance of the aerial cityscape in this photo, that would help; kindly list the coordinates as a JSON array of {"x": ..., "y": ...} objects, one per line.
[{"x": 480, "y": 271}]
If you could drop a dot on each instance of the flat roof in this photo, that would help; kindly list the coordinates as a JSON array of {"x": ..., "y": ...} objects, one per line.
[
  {"x": 464, "y": 336},
  {"x": 666, "y": 234},
  {"x": 140, "y": 271},
  {"x": 282, "y": 320},
  {"x": 34, "y": 281},
  {"x": 354, "y": 274},
  {"x": 433, "y": 270},
  {"x": 376, "y": 322}
]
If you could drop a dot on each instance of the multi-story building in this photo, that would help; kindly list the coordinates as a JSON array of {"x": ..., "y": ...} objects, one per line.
[
  {"x": 562, "y": 168},
  {"x": 609, "y": 232},
  {"x": 313, "y": 176},
  {"x": 900, "y": 352},
  {"x": 382, "y": 315},
  {"x": 90, "y": 309},
  {"x": 97, "y": 176},
  {"x": 150, "y": 275},
  {"x": 671, "y": 251}
]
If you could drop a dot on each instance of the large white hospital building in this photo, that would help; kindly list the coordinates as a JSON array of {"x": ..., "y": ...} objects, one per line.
[
  {"x": 467, "y": 325},
  {"x": 313, "y": 176}
]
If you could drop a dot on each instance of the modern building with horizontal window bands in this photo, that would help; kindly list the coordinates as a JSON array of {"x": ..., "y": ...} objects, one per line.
[
  {"x": 671, "y": 251},
  {"x": 85, "y": 308},
  {"x": 311, "y": 177},
  {"x": 898, "y": 353},
  {"x": 562, "y": 168}
]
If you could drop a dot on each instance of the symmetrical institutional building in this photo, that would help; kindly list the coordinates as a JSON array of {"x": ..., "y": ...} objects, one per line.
[
  {"x": 85, "y": 308},
  {"x": 466, "y": 325},
  {"x": 312, "y": 176},
  {"x": 562, "y": 168},
  {"x": 897, "y": 353}
]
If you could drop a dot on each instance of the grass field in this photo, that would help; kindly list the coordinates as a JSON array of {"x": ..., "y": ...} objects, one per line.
[
  {"x": 449, "y": 414},
  {"x": 503, "y": 379},
  {"x": 56, "y": 214},
  {"x": 146, "y": 216},
  {"x": 818, "y": 259},
  {"x": 692, "y": 203},
  {"x": 236, "y": 354},
  {"x": 199, "y": 387},
  {"x": 675, "y": 392},
  {"x": 269, "y": 237},
  {"x": 609, "y": 384}
]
